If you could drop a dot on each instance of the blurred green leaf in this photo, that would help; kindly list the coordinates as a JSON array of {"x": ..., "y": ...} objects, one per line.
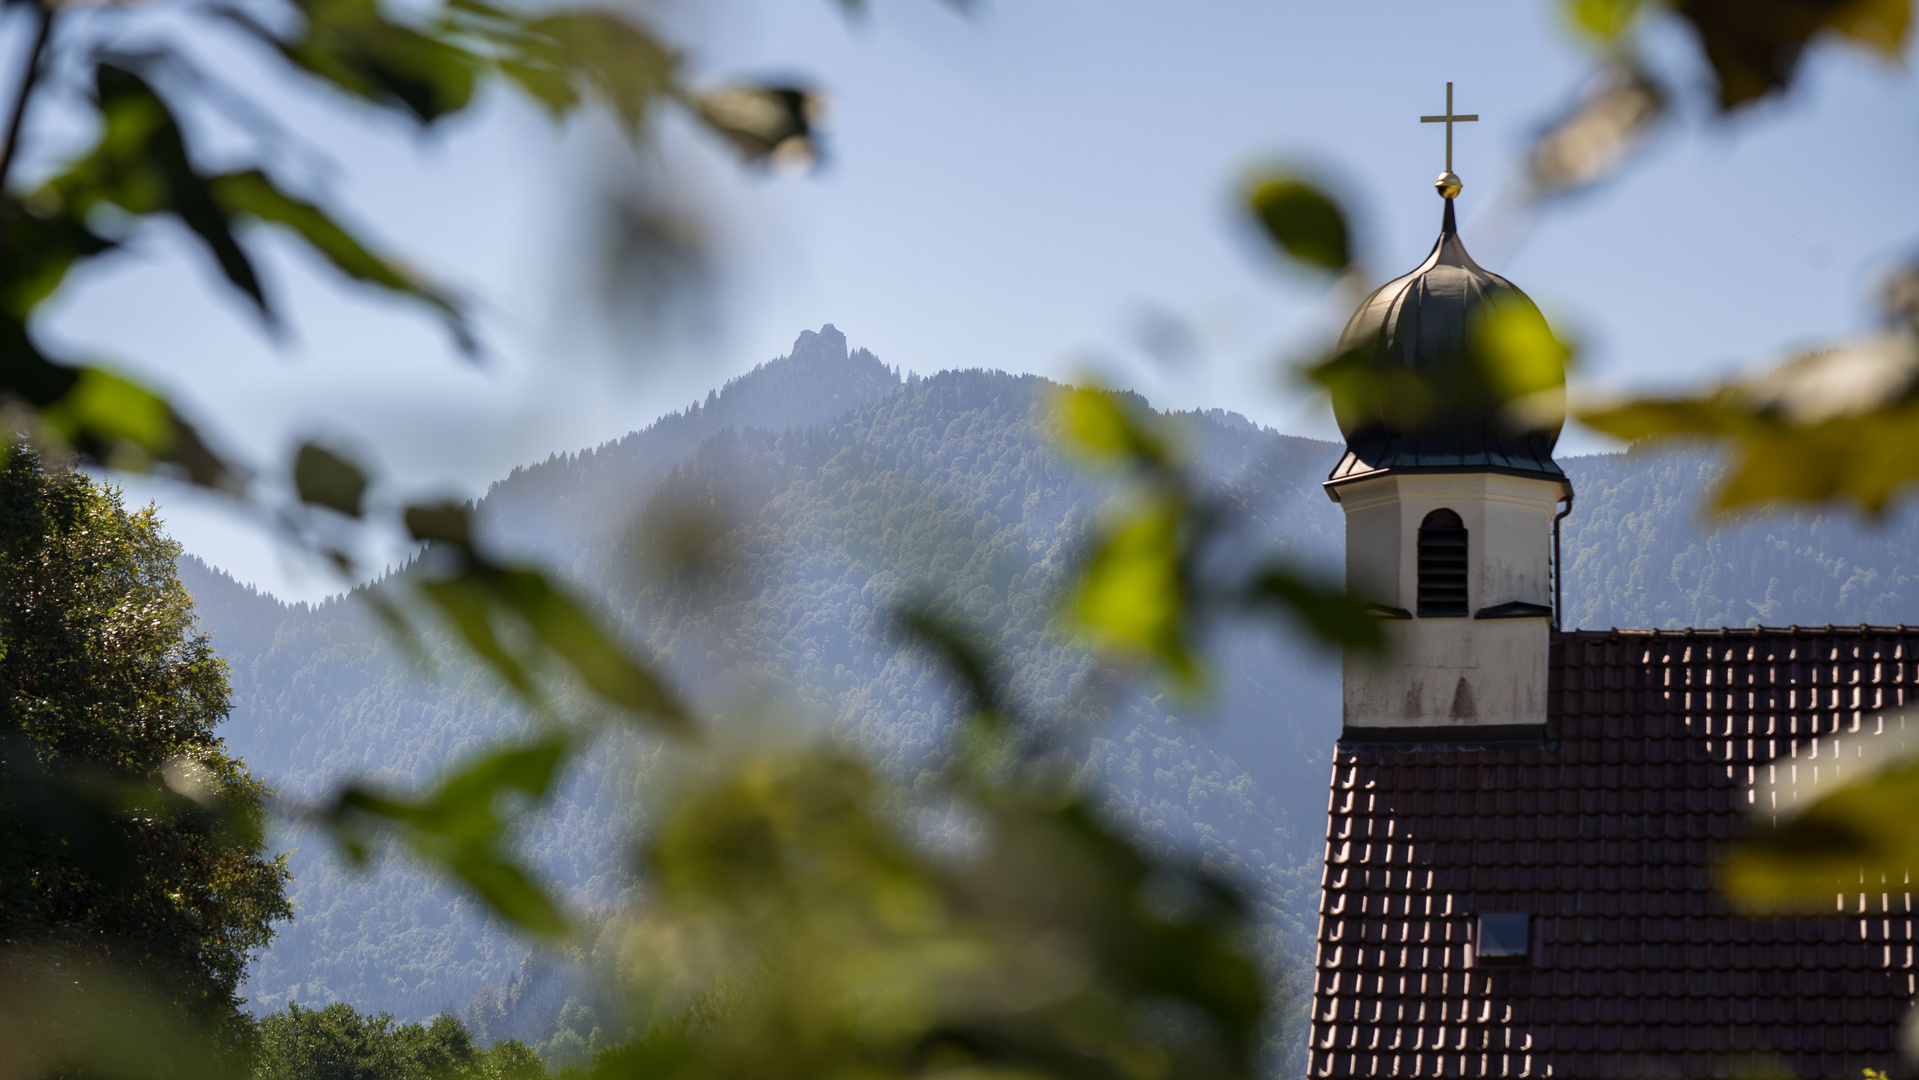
[
  {"x": 63, "y": 1013},
  {"x": 563, "y": 625},
  {"x": 324, "y": 478},
  {"x": 1138, "y": 592},
  {"x": 1837, "y": 424},
  {"x": 560, "y": 58},
  {"x": 446, "y": 521},
  {"x": 613, "y": 56},
  {"x": 1132, "y": 595},
  {"x": 1590, "y": 142},
  {"x": 964, "y": 652},
  {"x": 1096, "y": 423},
  {"x": 1603, "y": 20},
  {"x": 42, "y": 242},
  {"x": 351, "y": 44},
  {"x": 140, "y": 165},
  {"x": 460, "y": 827},
  {"x": 1045, "y": 946},
  {"x": 1302, "y": 219},
  {"x": 1837, "y": 837},
  {"x": 1522, "y": 364},
  {"x": 108, "y": 419},
  {"x": 1518, "y": 351},
  {"x": 545, "y": 84},
  {"x": 431, "y": 71},
  {"x": 1328, "y": 612},
  {"x": 1363, "y": 392},
  {"x": 477, "y": 591},
  {"x": 25, "y": 371},
  {"x": 468, "y": 605},
  {"x": 254, "y": 193},
  {"x": 108, "y": 404},
  {"x": 1178, "y": 943},
  {"x": 1754, "y": 46},
  {"x": 765, "y": 122}
]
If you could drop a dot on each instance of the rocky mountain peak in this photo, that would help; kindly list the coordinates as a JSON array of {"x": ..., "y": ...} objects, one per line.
[{"x": 826, "y": 346}]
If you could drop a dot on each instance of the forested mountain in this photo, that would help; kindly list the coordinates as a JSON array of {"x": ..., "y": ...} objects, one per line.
[
  {"x": 1638, "y": 553},
  {"x": 757, "y": 544}
]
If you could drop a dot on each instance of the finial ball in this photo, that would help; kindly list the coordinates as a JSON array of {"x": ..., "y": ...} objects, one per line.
[{"x": 1447, "y": 185}]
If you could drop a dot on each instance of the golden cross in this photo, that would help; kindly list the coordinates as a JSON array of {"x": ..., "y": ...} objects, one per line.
[{"x": 1449, "y": 120}]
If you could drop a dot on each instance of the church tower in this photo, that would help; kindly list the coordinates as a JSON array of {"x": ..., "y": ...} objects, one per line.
[
  {"x": 1527, "y": 825},
  {"x": 1452, "y": 498}
]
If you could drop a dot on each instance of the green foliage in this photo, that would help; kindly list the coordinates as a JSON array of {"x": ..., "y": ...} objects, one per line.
[
  {"x": 428, "y": 64},
  {"x": 1605, "y": 20},
  {"x": 1842, "y": 424},
  {"x": 1361, "y": 391},
  {"x": 1754, "y": 48},
  {"x": 324, "y": 478},
  {"x": 132, "y": 839},
  {"x": 476, "y": 592},
  {"x": 458, "y": 827},
  {"x": 1050, "y": 947},
  {"x": 253, "y": 193},
  {"x": 109, "y": 419},
  {"x": 140, "y": 167},
  {"x": 1520, "y": 357},
  {"x": 66, "y": 1014},
  {"x": 1303, "y": 220},
  {"x": 340, "y": 1043},
  {"x": 1845, "y": 837},
  {"x": 1142, "y": 591}
]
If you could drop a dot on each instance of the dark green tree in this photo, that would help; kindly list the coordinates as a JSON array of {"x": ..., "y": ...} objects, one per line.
[
  {"x": 341, "y": 1043},
  {"x": 108, "y": 688}
]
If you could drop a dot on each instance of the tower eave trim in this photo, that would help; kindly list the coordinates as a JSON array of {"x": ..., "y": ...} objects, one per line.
[{"x": 1333, "y": 485}]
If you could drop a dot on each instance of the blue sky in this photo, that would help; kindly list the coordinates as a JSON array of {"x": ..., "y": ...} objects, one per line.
[{"x": 1020, "y": 187}]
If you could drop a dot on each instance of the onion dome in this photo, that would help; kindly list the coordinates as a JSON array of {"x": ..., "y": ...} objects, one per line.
[{"x": 1416, "y": 387}]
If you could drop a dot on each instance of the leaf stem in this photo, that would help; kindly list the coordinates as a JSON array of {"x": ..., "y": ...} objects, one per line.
[{"x": 28, "y": 78}]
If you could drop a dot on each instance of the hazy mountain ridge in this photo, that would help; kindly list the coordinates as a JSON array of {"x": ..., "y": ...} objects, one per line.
[
  {"x": 568, "y": 505},
  {"x": 878, "y": 492}
]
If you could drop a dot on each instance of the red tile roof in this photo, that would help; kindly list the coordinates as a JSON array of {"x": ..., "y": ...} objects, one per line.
[{"x": 1604, "y": 832}]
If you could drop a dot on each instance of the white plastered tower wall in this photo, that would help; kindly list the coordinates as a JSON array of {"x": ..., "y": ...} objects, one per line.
[{"x": 1451, "y": 672}]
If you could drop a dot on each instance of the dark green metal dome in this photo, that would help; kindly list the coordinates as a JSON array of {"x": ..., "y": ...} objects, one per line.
[{"x": 1425, "y": 401}]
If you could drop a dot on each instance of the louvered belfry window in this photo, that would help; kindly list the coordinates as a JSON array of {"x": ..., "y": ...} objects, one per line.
[{"x": 1442, "y": 566}]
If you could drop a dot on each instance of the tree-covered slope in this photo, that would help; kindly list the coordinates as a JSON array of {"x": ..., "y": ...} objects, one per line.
[
  {"x": 1639, "y": 552},
  {"x": 757, "y": 544}
]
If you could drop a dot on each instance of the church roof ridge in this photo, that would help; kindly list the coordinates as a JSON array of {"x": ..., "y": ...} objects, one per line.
[{"x": 1792, "y": 630}]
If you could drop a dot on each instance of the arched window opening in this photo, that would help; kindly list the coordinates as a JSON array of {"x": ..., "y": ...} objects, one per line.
[{"x": 1442, "y": 566}]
